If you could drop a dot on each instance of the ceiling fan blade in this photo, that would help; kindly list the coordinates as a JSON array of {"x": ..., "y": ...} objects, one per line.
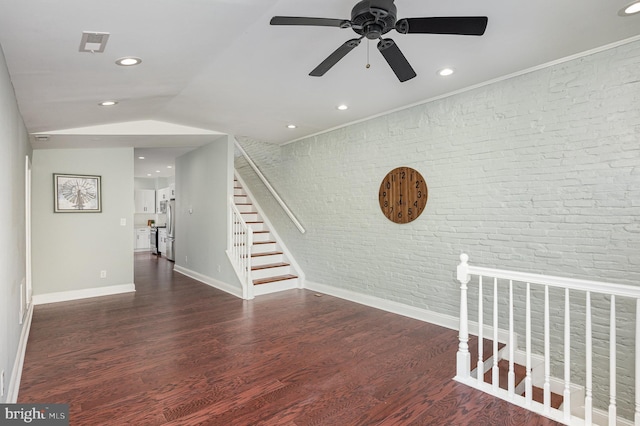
[
  {"x": 396, "y": 59},
  {"x": 461, "y": 25},
  {"x": 318, "y": 22},
  {"x": 333, "y": 59}
]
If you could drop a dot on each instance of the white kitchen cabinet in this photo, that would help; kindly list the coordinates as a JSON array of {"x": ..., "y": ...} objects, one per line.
[
  {"x": 142, "y": 241},
  {"x": 162, "y": 240},
  {"x": 161, "y": 195},
  {"x": 145, "y": 201}
]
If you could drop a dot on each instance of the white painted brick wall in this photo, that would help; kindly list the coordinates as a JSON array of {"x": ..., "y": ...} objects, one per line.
[{"x": 538, "y": 173}]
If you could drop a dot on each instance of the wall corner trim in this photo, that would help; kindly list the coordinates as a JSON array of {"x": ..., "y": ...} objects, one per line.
[
  {"x": 227, "y": 288},
  {"x": 65, "y": 296},
  {"x": 16, "y": 373}
]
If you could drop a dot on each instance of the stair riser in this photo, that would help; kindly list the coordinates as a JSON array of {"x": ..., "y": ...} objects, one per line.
[
  {"x": 257, "y": 226},
  {"x": 265, "y": 260},
  {"x": 242, "y": 208},
  {"x": 263, "y": 248},
  {"x": 270, "y": 272},
  {"x": 238, "y": 191},
  {"x": 251, "y": 217},
  {"x": 262, "y": 236},
  {"x": 242, "y": 199}
]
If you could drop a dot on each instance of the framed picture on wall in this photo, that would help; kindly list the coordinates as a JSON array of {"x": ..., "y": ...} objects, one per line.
[{"x": 76, "y": 193}]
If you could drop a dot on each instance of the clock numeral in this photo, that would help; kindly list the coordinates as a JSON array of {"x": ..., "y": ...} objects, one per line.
[
  {"x": 417, "y": 184},
  {"x": 403, "y": 174},
  {"x": 419, "y": 194},
  {"x": 410, "y": 212},
  {"x": 386, "y": 203},
  {"x": 399, "y": 215},
  {"x": 388, "y": 185},
  {"x": 415, "y": 204}
]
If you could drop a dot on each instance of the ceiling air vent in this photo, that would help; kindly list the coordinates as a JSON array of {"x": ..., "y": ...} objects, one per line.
[
  {"x": 93, "y": 42},
  {"x": 41, "y": 138}
]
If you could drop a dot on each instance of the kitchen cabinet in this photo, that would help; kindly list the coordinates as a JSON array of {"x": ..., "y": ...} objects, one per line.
[
  {"x": 142, "y": 241},
  {"x": 145, "y": 201},
  {"x": 162, "y": 240},
  {"x": 164, "y": 194}
]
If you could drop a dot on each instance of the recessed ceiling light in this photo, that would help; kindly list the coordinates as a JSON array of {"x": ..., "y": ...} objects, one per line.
[
  {"x": 444, "y": 72},
  {"x": 169, "y": 167},
  {"x": 108, "y": 103},
  {"x": 128, "y": 61},
  {"x": 148, "y": 174},
  {"x": 291, "y": 126},
  {"x": 342, "y": 107},
  {"x": 157, "y": 171},
  {"x": 630, "y": 9},
  {"x": 140, "y": 158}
]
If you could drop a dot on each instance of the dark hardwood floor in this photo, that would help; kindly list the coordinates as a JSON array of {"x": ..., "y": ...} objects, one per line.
[{"x": 178, "y": 352}]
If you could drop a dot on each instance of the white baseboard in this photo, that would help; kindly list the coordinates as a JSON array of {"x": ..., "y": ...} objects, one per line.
[
  {"x": 436, "y": 318},
  {"x": 65, "y": 296},
  {"x": 16, "y": 374},
  {"x": 236, "y": 291}
]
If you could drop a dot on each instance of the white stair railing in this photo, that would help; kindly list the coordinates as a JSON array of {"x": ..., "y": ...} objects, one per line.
[
  {"x": 273, "y": 192},
  {"x": 239, "y": 252},
  {"x": 570, "y": 286}
]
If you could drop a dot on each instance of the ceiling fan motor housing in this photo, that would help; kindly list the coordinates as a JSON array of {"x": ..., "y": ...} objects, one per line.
[{"x": 373, "y": 18}]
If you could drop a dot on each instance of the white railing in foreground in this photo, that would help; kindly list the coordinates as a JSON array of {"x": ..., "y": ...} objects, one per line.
[
  {"x": 270, "y": 188},
  {"x": 565, "y": 414},
  {"x": 239, "y": 251}
]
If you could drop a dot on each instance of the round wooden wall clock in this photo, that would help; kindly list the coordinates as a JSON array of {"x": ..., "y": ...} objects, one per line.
[{"x": 403, "y": 195}]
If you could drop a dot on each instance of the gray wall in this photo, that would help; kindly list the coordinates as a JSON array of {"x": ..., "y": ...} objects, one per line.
[
  {"x": 14, "y": 146},
  {"x": 70, "y": 249},
  {"x": 204, "y": 180},
  {"x": 538, "y": 173}
]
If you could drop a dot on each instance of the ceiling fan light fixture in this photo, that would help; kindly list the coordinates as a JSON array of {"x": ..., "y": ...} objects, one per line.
[
  {"x": 445, "y": 72},
  {"x": 128, "y": 61},
  {"x": 108, "y": 103}
]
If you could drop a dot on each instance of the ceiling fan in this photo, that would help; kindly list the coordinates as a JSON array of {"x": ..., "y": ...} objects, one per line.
[{"x": 374, "y": 18}]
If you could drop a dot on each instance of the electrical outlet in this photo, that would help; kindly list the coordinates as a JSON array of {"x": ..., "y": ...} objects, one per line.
[
  {"x": 2, "y": 383},
  {"x": 123, "y": 221},
  {"x": 103, "y": 274},
  {"x": 218, "y": 268}
]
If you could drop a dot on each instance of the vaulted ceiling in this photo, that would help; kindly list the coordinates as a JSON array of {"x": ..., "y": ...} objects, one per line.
[{"x": 217, "y": 65}]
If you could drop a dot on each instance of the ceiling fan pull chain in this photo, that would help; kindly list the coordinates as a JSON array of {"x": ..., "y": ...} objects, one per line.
[{"x": 368, "y": 64}]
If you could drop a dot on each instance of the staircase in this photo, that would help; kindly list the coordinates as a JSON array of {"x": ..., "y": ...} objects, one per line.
[
  {"x": 522, "y": 375},
  {"x": 270, "y": 270}
]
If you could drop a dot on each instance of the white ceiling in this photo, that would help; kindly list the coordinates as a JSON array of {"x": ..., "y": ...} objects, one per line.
[{"x": 219, "y": 66}]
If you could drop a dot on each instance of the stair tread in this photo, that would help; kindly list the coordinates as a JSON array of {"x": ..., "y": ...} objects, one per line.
[
  {"x": 274, "y": 279},
  {"x": 269, "y": 266},
  {"x": 269, "y": 253},
  {"x": 503, "y": 374},
  {"x": 520, "y": 373},
  {"x": 538, "y": 395},
  {"x": 264, "y": 242}
]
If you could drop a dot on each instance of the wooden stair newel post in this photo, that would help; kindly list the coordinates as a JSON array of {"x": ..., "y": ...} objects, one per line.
[{"x": 463, "y": 356}]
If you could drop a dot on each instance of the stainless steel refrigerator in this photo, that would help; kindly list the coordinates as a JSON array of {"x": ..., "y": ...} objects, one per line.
[{"x": 171, "y": 233}]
